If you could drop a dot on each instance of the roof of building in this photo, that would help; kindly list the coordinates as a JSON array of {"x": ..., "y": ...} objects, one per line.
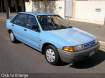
[{"x": 37, "y": 13}]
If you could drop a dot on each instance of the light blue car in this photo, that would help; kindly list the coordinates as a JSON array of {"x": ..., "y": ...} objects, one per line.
[{"x": 52, "y": 36}]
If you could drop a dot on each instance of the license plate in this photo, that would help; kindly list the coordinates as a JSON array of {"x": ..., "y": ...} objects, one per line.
[{"x": 92, "y": 53}]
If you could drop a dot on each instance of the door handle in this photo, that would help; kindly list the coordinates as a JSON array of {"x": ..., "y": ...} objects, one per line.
[
  {"x": 25, "y": 29},
  {"x": 12, "y": 25}
]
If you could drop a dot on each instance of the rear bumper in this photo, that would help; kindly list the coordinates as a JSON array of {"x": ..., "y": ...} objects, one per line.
[{"x": 76, "y": 56}]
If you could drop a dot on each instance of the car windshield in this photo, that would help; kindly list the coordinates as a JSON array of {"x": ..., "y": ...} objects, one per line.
[{"x": 52, "y": 22}]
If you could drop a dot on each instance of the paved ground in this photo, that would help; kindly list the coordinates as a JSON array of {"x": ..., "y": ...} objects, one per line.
[{"x": 23, "y": 59}]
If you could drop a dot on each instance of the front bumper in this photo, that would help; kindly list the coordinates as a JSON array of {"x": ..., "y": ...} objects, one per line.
[{"x": 76, "y": 56}]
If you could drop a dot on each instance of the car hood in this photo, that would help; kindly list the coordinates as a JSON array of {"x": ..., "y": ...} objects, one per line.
[{"x": 73, "y": 36}]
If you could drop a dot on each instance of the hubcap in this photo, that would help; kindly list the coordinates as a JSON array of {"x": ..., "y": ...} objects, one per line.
[
  {"x": 11, "y": 37},
  {"x": 50, "y": 55}
]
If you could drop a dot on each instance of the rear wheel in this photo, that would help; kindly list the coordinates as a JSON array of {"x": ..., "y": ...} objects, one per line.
[
  {"x": 12, "y": 37},
  {"x": 52, "y": 55}
]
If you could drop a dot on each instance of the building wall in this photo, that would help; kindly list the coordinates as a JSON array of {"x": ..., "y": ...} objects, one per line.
[
  {"x": 56, "y": 7},
  {"x": 28, "y": 6},
  {"x": 68, "y": 9},
  {"x": 91, "y": 11},
  {"x": 60, "y": 8}
]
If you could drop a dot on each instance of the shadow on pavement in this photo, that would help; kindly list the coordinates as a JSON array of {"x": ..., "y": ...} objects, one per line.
[{"x": 98, "y": 58}]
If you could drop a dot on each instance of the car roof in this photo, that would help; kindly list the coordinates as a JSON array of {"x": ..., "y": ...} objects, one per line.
[{"x": 38, "y": 13}]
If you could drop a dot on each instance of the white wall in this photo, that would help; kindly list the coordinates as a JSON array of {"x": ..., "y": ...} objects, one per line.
[
  {"x": 64, "y": 8},
  {"x": 68, "y": 8},
  {"x": 91, "y": 11},
  {"x": 59, "y": 8},
  {"x": 28, "y": 6},
  {"x": 33, "y": 6}
]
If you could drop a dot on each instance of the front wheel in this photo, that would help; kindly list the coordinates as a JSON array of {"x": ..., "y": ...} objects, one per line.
[
  {"x": 12, "y": 37},
  {"x": 52, "y": 55}
]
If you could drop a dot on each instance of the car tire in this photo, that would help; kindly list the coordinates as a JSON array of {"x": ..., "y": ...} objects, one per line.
[
  {"x": 52, "y": 55},
  {"x": 12, "y": 37}
]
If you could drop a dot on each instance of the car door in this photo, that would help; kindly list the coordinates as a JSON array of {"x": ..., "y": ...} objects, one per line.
[
  {"x": 32, "y": 32},
  {"x": 18, "y": 24}
]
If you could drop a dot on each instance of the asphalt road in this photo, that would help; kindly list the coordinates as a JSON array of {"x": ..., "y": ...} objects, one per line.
[{"x": 19, "y": 58}]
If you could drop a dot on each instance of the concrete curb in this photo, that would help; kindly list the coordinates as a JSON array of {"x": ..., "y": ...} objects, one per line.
[
  {"x": 75, "y": 22},
  {"x": 78, "y": 20},
  {"x": 102, "y": 42}
]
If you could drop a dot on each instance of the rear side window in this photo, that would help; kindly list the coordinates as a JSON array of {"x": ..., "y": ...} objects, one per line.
[
  {"x": 20, "y": 20},
  {"x": 31, "y": 22}
]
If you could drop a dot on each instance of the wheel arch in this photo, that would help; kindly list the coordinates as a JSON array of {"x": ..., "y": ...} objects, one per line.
[
  {"x": 9, "y": 30},
  {"x": 46, "y": 44}
]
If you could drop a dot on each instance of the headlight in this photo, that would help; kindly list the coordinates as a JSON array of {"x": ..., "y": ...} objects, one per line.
[
  {"x": 78, "y": 48},
  {"x": 73, "y": 48}
]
